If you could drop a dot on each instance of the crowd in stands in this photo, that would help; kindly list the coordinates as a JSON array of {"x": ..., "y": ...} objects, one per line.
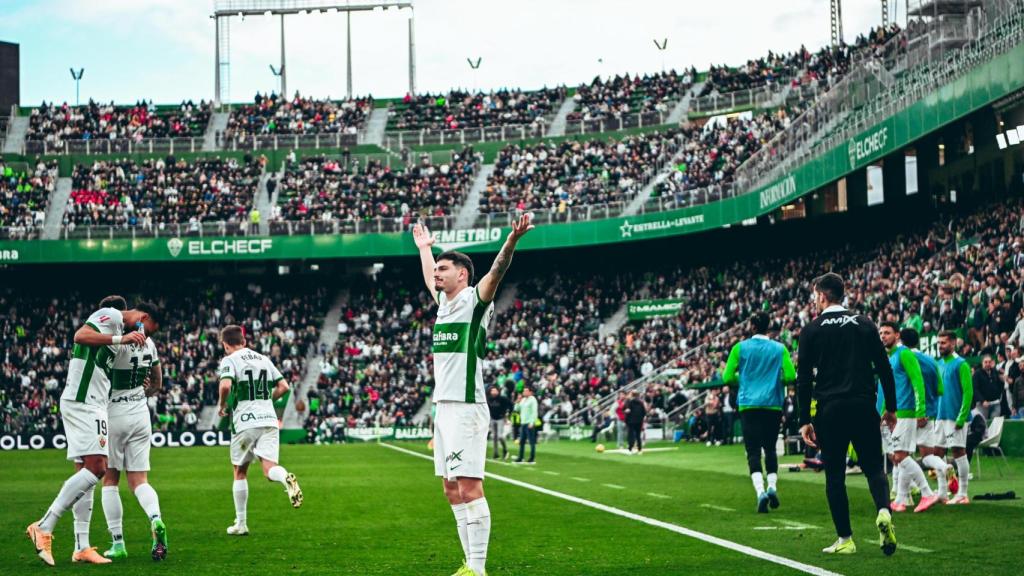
[
  {"x": 617, "y": 96},
  {"x": 24, "y": 197},
  {"x": 379, "y": 373},
  {"x": 36, "y": 332},
  {"x": 55, "y": 124},
  {"x": 272, "y": 114},
  {"x": 154, "y": 193},
  {"x": 319, "y": 188},
  {"x": 712, "y": 152},
  {"x": 558, "y": 175},
  {"x": 461, "y": 109},
  {"x": 823, "y": 67}
]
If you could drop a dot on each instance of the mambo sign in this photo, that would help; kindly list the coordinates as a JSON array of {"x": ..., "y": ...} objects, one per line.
[
  {"x": 644, "y": 309},
  {"x": 10, "y": 442},
  {"x": 219, "y": 247}
]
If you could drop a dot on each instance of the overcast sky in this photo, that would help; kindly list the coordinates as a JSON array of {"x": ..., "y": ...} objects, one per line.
[{"x": 164, "y": 49}]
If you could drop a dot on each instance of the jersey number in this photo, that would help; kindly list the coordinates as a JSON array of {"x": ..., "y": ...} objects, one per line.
[
  {"x": 136, "y": 375},
  {"x": 258, "y": 389}
]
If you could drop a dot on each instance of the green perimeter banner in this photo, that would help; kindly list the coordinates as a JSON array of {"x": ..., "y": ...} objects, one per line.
[
  {"x": 981, "y": 86},
  {"x": 644, "y": 309}
]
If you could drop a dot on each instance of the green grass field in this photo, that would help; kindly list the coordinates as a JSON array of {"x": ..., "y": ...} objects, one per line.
[{"x": 372, "y": 510}]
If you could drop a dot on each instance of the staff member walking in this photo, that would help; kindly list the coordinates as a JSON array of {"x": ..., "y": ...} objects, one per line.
[
  {"x": 527, "y": 409},
  {"x": 847, "y": 353},
  {"x": 761, "y": 367}
]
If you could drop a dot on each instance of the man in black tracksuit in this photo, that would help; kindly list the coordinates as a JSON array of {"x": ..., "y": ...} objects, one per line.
[
  {"x": 848, "y": 354},
  {"x": 636, "y": 410}
]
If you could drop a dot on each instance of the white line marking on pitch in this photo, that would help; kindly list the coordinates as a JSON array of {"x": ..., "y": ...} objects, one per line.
[
  {"x": 550, "y": 473},
  {"x": 728, "y": 544},
  {"x": 719, "y": 508},
  {"x": 614, "y": 486},
  {"x": 646, "y": 450},
  {"x": 578, "y": 479},
  {"x": 656, "y": 495},
  {"x": 913, "y": 549},
  {"x": 791, "y": 525}
]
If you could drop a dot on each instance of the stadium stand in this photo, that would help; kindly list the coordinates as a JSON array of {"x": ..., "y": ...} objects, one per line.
[{"x": 24, "y": 197}]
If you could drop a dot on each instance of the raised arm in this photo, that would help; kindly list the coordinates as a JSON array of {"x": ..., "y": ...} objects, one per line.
[
  {"x": 425, "y": 242},
  {"x": 488, "y": 285}
]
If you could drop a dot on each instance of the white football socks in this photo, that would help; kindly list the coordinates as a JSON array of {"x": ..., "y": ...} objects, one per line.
[
  {"x": 478, "y": 527},
  {"x": 460, "y": 523},
  {"x": 149, "y": 501},
  {"x": 963, "y": 473},
  {"x": 114, "y": 512},
  {"x": 758, "y": 479},
  {"x": 74, "y": 488},
  {"x": 939, "y": 465},
  {"x": 82, "y": 512},
  {"x": 773, "y": 481},
  {"x": 277, "y": 474},
  {"x": 240, "y": 490},
  {"x": 912, "y": 474}
]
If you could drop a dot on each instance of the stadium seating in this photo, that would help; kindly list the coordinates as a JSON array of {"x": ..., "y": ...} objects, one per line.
[
  {"x": 132, "y": 196},
  {"x": 460, "y": 109},
  {"x": 556, "y": 176},
  {"x": 327, "y": 191},
  {"x": 53, "y": 125},
  {"x": 272, "y": 115},
  {"x": 24, "y": 197}
]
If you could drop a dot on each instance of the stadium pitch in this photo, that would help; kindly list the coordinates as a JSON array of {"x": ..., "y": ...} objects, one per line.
[{"x": 378, "y": 509}]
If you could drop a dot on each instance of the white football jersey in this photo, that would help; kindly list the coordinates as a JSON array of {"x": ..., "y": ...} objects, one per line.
[
  {"x": 131, "y": 367},
  {"x": 253, "y": 379},
  {"x": 89, "y": 370},
  {"x": 459, "y": 343}
]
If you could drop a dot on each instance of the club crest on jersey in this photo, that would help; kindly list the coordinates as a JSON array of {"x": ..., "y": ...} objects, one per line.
[{"x": 103, "y": 442}]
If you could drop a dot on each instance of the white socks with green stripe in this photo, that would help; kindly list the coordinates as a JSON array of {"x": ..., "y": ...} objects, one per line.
[
  {"x": 478, "y": 527},
  {"x": 460, "y": 523},
  {"x": 240, "y": 490},
  {"x": 278, "y": 474},
  {"x": 82, "y": 511},
  {"x": 149, "y": 501},
  {"x": 74, "y": 488},
  {"x": 114, "y": 512},
  {"x": 939, "y": 465},
  {"x": 758, "y": 479}
]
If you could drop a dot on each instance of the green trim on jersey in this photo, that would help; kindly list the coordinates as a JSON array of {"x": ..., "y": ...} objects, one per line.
[
  {"x": 471, "y": 357},
  {"x": 96, "y": 355},
  {"x": 93, "y": 326}
]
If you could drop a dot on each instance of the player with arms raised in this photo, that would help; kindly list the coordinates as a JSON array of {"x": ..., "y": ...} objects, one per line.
[
  {"x": 254, "y": 382},
  {"x": 462, "y": 420},
  {"x": 83, "y": 409}
]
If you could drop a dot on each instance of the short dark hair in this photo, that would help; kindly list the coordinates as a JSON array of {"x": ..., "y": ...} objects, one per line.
[
  {"x": 891, "y": 325},
  {"x": 759, "y": 322},
  {"x": 948, "y": 334},
  {"x": 460, "y": 260},
  {"x": 114, "y": 301},
  {"x": 910, "y": 337},
  {"x": 831, "y": 285},
  {"x": 148, "y": 308},
  {"x": 233, "y": 335}
]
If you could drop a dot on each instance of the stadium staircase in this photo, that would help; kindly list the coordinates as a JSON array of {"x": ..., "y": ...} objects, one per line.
[
  {"x": 264, "y": 203},
  {"x": 614, "y": 322},
  {"x": 506, "y": 298},
  {"x": 16, "y": 130},
  {"x": 678, "y": 113},
  {"x": 558, "y": 123},
  {"x": 375, "y": 126},
  {"x": 218, "y": 123},
  {"x": 468, "y": 212},
  {"x": 293, "y": 419},
  {"x": 55, "y": 210}
]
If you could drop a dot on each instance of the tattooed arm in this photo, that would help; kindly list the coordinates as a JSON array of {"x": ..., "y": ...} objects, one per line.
[{"x": 488, "y": 285}]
